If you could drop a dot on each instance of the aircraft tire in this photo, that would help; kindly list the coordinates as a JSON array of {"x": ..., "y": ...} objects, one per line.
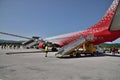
[
  {"x": 77, "y": 55},
  {"x": 54, "y": 49},
  {"x": 71, "y": 55}
]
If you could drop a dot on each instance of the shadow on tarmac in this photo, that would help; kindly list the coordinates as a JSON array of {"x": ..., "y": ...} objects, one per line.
[
  {"x": 9, "y": 53},
  {"x": 24, "y": 52},
  {"x": 65, "y": 57}
]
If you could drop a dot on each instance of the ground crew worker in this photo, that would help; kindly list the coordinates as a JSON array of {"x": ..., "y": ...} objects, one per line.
[
  {"x": 46, "y": 50},
  {"x": 113, "y": 50}
]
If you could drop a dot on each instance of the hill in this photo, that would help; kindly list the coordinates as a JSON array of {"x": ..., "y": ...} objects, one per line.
[
  {"x": 10, "y": 42},
  {"x": 109, "y": 45},
  {"x": 104, "y": 45}
]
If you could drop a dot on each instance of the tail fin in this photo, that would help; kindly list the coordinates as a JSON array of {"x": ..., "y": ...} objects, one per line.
[
  {"x": 115, "y": 24},
  {"x": 111, "y": 20}
]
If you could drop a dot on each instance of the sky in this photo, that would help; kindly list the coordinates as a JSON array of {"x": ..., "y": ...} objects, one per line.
[{"x": 48, "y": 18}]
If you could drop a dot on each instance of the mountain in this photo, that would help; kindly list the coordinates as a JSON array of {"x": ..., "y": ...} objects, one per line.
[
  {"x": 104, "y": 45},
  {"x": 10, "y": 42},
  {"x": 109, "y": 45}
]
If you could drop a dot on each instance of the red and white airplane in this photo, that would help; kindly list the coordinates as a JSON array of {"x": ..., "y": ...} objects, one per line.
[{"x": 106, "y": 30}]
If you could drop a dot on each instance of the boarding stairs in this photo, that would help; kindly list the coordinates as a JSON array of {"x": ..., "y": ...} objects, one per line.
[
  {"x": 31, "y": 43},
  {"x": 66, "y": 50},
  {"x": 28, "y": 42}
]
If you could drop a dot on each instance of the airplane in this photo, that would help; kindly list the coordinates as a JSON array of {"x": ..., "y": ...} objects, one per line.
[{"x": 106, "y": 30}]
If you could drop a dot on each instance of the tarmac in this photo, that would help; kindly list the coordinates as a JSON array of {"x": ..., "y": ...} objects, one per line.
[{"x": 32, "y": 64}]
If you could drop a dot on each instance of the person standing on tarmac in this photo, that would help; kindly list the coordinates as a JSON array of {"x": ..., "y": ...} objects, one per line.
[
  {"x": 113, "y": 50},
  {"x": 46, "y": 50}
]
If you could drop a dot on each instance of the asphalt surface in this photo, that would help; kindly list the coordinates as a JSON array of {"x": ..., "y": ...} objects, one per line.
[{"x": 34, "y": 66}]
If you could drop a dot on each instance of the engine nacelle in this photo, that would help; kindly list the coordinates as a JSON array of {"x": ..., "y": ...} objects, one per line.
[{"x": 41, "y": 44}]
